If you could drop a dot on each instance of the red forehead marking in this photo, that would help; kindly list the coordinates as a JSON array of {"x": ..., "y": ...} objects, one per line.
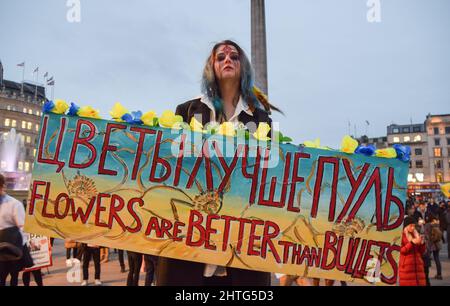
[{"x": 227, "y": 49}]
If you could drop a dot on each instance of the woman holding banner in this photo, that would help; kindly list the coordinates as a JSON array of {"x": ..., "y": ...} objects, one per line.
[{"x": 228, "y": 95}]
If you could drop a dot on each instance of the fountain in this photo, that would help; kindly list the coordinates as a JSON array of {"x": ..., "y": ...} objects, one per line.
[{"x": 11, "y": 149}]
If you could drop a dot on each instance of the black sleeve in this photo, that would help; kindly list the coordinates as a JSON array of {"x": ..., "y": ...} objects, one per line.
[{"x": 182, "y": 111}]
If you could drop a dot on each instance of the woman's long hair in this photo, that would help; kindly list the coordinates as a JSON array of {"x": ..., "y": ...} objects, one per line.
[{"x": 253, "y": 96}]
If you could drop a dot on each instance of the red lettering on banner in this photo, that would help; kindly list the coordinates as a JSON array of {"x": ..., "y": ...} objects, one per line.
[
  {"x": 286, "y": 247},
  {"x": 84, "y": 216},
  {"x": 296, "y": 179},
  {"x": 207, "y": 158},
  {"x": 355, "y": 184},
  {"x": 253, "y": 237},
  {"x": 177, "y": 231},
  {"x": 226, "y": 231},
  {"x": 242, "y": 222},
  {"x": 176, "y": 179},
  {"x": 228, "y": 169},
  {"x": 35, "y": 196},
  {"x": 195, "y": 221},
  {"x": 374, "y": 180},
  {"x": 135, "y": 216},
  {"x": 387, "y": 207},
  {"x": 209, "y": 231},
  {"x": 57, "y": 203},
  {"x": 254, "y": 176},
  {"x": 153, "y": 226},
  {"x": 44, "y": 208},
  {"x": 77, "y": 141},
  {"x": 107, "y": 147},
  {"x": 330, "y": 246},
  {"x": 99, "y": 209},
  {"x": 159, "y": 161},
  {"x": 318, "y": 186},
  {"x": 166, "y": 226},
  {"x": 273, "y": 184},
  {"x": 113, "y": 211},
  {"x": 391, "y": 260},
  {"x": 267, "y": 240},
  {"x": 137, "y": 159},
  {"x": 55, "y": 159}
]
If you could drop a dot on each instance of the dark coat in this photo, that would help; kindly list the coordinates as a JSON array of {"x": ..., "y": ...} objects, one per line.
[
  {"x": 11, "y": 244},
  {"x": 196, "y": 107},
  {"x": 174, "y": 272}
]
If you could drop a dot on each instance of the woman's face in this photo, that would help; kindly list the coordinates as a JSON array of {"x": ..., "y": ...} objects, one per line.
[
  {"x": 410, "y": 228},
  {"x": 227, "y": 65}
]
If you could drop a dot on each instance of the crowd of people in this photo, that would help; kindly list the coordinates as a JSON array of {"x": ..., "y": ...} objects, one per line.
[{"x": 423, "y": 237}]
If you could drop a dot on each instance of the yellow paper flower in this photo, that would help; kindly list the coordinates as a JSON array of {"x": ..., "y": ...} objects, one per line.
[
  {"x": 386, "y": 153},
  {"x": 88, "y": 112},
  {"x": 349, "y": 145},
  {"x": 262, "y": 132},
  {"x": 196, "y": 126},
  {"x": 227, "y": 129},
  {"x": 168, "y": 119},
  {"x": 60, "y": 107},
  {"x": 117, "y": 112},
  {"x": 446, "y": 190},
  {"x": 149, "y": 118},
  {"x": 312, "y": 144}
]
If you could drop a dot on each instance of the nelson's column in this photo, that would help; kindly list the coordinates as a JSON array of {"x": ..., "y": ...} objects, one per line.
[{"x": 259, "y": 49}]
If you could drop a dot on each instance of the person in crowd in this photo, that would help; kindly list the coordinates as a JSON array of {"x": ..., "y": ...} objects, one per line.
[
  {"x": 14, "y": 253},
  {"x": 447, "y": 220},
  {"x": 228, "y": 96},
  {"x": 71, "y": 247},
  {"x": 288, "y": 280},
  {"x": 121, "y": 261},
  {"x": 104, "y": 254},
  {"x": 433, "y": 207},
  {"x": 422, "y": 212},
  {"x": 442, "y": 219},
  {"x": 134, "y": 265},
  {"x": 411, "y": 265},
  {"x": 91, "y": 251},
  {"x": 426, "y": 256},
  {"x": 37, "y": 274},
  {"x": 151, "y": 262},
  {"x": 328, "y": 282},
  {"x": 433, "y": 236}
]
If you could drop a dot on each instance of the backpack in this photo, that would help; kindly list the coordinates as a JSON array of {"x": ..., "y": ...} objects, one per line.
[{"x": 436, "y": 234}]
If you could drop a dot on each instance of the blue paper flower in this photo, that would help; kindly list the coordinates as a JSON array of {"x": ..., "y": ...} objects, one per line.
[
  {"x": 368, "y": 150},
  {"x": 403, "y": 152},
  {"x": 133, "y": 118},
  {"x": 48, "y": 106},
  {"x": 73, "y": 110}
]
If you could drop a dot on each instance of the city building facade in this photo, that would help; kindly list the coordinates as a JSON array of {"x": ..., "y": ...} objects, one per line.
[{"x": 21, "y": 110}]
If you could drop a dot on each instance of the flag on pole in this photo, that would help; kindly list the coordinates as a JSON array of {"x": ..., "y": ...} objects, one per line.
[
  {"x": 51, "y": 83},
  {"x": 36, "y": 70},
  {"x": 49, "y": 80},
  {"x": 45, "y": 74},
  {"x": 21, "y": 64},
  {"x": 367, "y": 122}
]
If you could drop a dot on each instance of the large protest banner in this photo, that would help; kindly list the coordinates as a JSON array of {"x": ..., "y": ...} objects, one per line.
[{"x": 218, "y": 200}]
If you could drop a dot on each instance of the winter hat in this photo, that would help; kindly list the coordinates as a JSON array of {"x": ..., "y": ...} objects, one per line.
[{"x": 408, "y": 220}]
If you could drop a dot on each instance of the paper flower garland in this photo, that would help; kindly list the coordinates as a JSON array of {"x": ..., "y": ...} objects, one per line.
[{"x": 169, "y": 119}]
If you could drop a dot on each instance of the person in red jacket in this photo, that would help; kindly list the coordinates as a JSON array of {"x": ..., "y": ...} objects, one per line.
[{"x": 411, "y": 267}]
